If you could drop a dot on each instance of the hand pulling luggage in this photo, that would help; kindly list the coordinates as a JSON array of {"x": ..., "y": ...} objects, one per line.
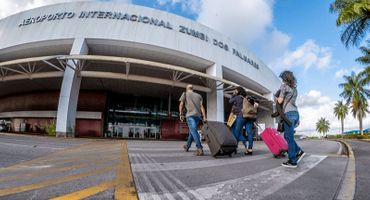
[
  {"x": 219, "y": 139},
  {"x": 275, "y": 142}
]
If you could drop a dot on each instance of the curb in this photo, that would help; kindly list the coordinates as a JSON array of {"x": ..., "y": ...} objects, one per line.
[{"x": 347, "y": 187}]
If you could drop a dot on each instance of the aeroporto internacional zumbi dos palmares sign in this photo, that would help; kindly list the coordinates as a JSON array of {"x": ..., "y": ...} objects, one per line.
[{"x": 136, "y": 18}]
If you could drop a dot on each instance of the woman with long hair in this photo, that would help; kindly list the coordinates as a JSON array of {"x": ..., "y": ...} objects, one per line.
[
  {"x": 237, "y": 128},
  {"x": 288, "y": 96}
]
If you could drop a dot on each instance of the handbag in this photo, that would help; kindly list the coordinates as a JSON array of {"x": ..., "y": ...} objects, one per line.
[
  {"x": 280, "y": 126},
  {"x": 248, "y": 110},
  {"x": 231, "y": 119}
]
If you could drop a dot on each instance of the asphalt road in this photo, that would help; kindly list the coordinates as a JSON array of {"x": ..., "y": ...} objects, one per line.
[
  {"x": 33, "y": 167},
  {"x": 20, "y": 148},
  {"x": 361, "y": 149},
  {"x": 162, "y": 170}
]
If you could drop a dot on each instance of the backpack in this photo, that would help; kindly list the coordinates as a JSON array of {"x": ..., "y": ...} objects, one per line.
[{"x": 248, "y": 110}]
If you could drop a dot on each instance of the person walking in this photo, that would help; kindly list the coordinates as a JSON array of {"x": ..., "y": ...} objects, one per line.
[
  {"x": 193, "y": 102},
  {"x": 287, "y": 97},
  {"x": 237, "y": 128}
]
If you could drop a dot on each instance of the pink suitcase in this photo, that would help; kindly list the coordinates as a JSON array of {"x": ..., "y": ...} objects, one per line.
[{"x": 275, "y": 142}]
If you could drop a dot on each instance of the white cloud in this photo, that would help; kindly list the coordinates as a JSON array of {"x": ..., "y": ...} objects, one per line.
[
  {"x": 312, "y": 99},
  {"x": 314, "y": 105},
  {"x": 274, "y": 44},
  {"x": 307, "y": 56},
  {"x": 9, "y": 7},
  {"x": 248, "y": 22},
  {"x": 345, "y": 71},
  {"x": 244, "y": 21}
]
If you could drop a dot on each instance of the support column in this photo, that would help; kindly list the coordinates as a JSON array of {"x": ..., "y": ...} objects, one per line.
[
  {"x": 215, "y": 99},
  {"x": 68, "y": 98},
  {"x": 264, "y": 117},
  {"x": 169, "y": 104}
]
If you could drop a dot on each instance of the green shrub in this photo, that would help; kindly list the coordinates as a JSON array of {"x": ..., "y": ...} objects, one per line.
[
  {"x": 51, "y": 128},
  {"x": 312, "y": 137},
  {"x": 356, "y": 136}
]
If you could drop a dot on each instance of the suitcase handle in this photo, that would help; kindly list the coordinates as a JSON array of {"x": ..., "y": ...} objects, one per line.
[
  {"x": 257, "y": 125},
  {"x": 205, "y": 123}
]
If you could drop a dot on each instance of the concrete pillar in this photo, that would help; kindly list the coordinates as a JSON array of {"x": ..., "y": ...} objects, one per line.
[
  {"x": 169, "y": 104},
  {"x": 215, "y": 99},
  {"x": 264, "y": 117},
  {"x": 68, "y": 98}
]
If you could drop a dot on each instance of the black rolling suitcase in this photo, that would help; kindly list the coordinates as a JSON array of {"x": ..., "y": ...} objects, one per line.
[{"x": 219, "y": 138}]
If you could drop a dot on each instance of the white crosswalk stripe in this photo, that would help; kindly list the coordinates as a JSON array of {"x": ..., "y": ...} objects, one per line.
[{"x": 143, "y": 167}]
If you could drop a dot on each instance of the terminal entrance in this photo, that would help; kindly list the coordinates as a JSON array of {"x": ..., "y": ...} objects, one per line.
[
  {"x": 137, "y": 117},
  {"x": 141, "y": 117}
]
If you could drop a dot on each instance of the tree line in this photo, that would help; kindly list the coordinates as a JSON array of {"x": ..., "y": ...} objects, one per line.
[{"x": 354, "y": 20}]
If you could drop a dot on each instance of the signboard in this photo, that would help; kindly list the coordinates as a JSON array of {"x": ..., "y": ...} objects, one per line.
[{"x": 134, "y": 18}]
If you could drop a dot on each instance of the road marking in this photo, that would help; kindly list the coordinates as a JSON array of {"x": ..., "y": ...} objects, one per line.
[
  {"x": 171, "y": 184},
  {"x": 50, "y": 182},
  {"x": 141, "y": 167},
  {"x": 164, "y": 155},
  {"x": 259, "y": 185},
  {"x": 87, "y": 192},
  {"x": 179, "y": 182},
  {"x": 125, "y": 189},
  {"x": 147, "y": 182},
  {"x": 172, "y": 181},
  {"x": 53, "y": 170},
  {"x": 155, "y": 180}
]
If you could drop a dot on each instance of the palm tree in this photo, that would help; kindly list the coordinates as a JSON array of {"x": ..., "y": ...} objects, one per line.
[
  {"x": 341, "y": 111},
  {"x": 354, "y": 17},
  {"x": 365, "y": 75},
  {"x": 365, "y": 60},
  {"x": 355, "y": 95},
  {"x": 322, "y": 126}
]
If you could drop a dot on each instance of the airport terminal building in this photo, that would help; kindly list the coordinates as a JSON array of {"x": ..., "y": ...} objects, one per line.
[{"x": 102, "y": 69}]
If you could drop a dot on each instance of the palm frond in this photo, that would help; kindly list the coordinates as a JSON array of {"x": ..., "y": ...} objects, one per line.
[{"x": 354, "y": 31}]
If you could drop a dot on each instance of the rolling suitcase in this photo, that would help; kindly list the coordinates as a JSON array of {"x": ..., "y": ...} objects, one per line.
[
  {"x": 275, "y": 142},
  {"x": 219, "y": 138}
]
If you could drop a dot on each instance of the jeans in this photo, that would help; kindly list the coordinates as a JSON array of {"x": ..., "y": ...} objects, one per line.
[
  {"x": 237, "y": 130},
  {"x": 193, "y": 133},
  {"x": 293, "y": 148},
  {"x": 249, "y": 130}
]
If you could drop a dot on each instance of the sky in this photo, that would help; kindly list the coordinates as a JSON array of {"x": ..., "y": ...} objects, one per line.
[{"x": 295, "y": 35}]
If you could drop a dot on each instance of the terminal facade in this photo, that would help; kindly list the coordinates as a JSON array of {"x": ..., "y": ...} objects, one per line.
[{"x": 102, "y": 69}]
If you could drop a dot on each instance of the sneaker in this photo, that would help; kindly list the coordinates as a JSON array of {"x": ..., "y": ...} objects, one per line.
[
  {"x": 186, "y": 148},
  {"x": 300, "y": 155},
  {"x": 289, "y": 164},
  {"x": 199, "y": 152},
  {"x": 248, "y": 152}
]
